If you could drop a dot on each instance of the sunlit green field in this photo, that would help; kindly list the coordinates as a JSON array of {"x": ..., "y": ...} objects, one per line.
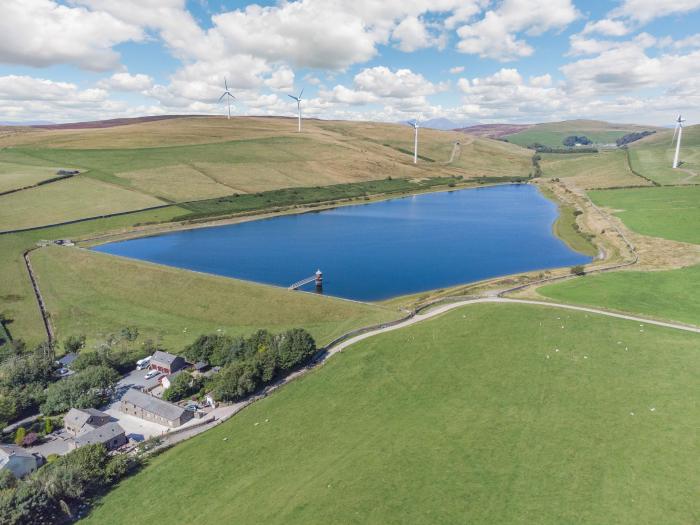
[
  {"x": 489, "y": 414},
  {"x": 672, "y": 213},
  {"x": 671, "y": 294}
]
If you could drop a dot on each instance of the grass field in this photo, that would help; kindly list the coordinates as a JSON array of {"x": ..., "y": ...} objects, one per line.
[
  {"x": 671, "y": 294},
  {"x": 671, "y": 213},
  {"x": 13, "y": 176},
  {"x": 653, "y": 157},
  {"x": 95, "y": 294},
  {"x": 553, "y": 133},
  {"x": 67, "y": 200},
  {"x": 607, "y": 169},
  {"x": 473, "y": 417},
  {"x": 197, "y": 158}
]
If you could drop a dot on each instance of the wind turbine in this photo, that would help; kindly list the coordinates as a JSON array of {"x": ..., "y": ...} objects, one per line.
[
  {"x": 228, "y": 94},
  {"x": 679, "y": 130},
  {"x": 415, "y": 141},
  {"x": 298, "y": 99}
]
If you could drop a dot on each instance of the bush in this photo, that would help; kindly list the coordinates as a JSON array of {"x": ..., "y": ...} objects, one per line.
[
  {"x": 20, "y": 434},
  {"x": 182, "y": 386},
  {"x": 578, "y": 270},
  {"x": 74, "y": 343}
]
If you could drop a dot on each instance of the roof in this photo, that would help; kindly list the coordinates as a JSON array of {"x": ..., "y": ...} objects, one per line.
[
  {"x": 153, "y": 404},
  {"x": 13, "y": 450},
  {"x": 67, "y": 359},
  {"x": 200, "y": 365},
  {"x": 102, "y": 434},
  {"x": 164, "y": 357},
  {"x": 80, "y": 416}
]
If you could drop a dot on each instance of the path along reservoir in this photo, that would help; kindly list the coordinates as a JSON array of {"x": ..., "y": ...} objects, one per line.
[{"x": 378, "y": 250}]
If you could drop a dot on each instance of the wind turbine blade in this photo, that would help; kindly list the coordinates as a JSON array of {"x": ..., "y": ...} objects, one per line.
[
  {"x": 675, "y": 130},
  {"x": 301, "y": 93},
  {"x": 293, "y": 97},
  {"x": 222, "y": 97},
  {"x": 225, "y": 84}
]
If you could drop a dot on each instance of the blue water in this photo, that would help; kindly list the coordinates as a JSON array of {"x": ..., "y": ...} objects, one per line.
[{"x": 379, "y": 250}]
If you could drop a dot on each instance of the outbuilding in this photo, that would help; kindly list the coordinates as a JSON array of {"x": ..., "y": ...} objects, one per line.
[
  {"x": 110, "y": 435},
  {"x": 150, "y": 408},
  {"x": 18, "y": 461},
  {"x": 80, "y": 420},
  {"x": 166, "y": 362}
]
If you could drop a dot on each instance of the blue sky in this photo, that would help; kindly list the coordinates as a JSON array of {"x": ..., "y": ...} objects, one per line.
[{"x": 467, "y": 60}]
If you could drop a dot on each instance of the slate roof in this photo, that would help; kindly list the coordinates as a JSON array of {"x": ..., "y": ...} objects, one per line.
[
  {"x": 164, "y": 357},
  {"x": 67, "y": 359},
  {"x": 80, "y": 416},
  {"x": 13, "y": 450},
  {"x": 153, "y": 404},
  {"x": 102, "y": 434}
]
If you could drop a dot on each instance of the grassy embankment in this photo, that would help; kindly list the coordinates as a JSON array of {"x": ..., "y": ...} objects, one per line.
[
  {"x": 175, "y": 306},
  {"x": 669, "y": 213},
  {"x": 653, "y": 157},
  {"x": 472, "y": 417},
  {"x": 553, "y": 133}
]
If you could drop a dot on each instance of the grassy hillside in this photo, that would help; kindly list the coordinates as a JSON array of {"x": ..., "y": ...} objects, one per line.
[
  {"x": 474, "y": 417},
  {"x": 553, "y": 133},
  {"x": 607, "y": 169},
  {"x": 175, "y": 306},
  {"x": 671, "y": 213},
  {"x": 653, "y": 157},
  {"x": 193, "y": 158},
  {"x": 668, "y": 294}
]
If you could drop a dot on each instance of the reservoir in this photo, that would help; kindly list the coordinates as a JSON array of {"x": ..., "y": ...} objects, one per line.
[{"x": 378, "y": 250}]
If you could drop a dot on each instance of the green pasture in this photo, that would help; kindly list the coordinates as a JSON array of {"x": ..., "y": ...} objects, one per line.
[{"x": 489, "y": 414}]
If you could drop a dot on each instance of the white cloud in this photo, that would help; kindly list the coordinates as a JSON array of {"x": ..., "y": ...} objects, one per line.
[
  {"x": 607, "y": 27},
  {"x": 281, "y": 79},
  {"x": 403, "y": 83},
  {"x": 412, "y": 34},
  {"x": 127, "y": 82},
  {"x": 506, "y": 95},
  {"x": 457, "y": 69},
  {"x": 40, "y": 33},
  {"x": 495, "y": 35},
  {"x": 644, "y": 11}
]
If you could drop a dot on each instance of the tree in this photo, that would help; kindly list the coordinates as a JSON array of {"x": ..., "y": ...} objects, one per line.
[
  {"x": 129, "y": 333},
  {"x": 20, "y": 434},
  {"x": 48, "y": 425},
  {"x": 74, "y": 343},
  {"x": 88, "y": 388},
  {"x": 296, "y": 346},
  {"x": 578, "y": 270},
  {"x": 572, "y": 140},
  {"x": 182, "y": 386}
]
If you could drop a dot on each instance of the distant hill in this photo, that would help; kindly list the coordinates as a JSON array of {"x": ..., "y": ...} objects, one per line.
[
  {"x": 553, "y": 133},
  {"x": 110, "y": 123},
  {"x": 494, "y": 131}
]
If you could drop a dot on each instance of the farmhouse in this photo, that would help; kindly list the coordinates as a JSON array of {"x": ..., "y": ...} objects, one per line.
[
  {"x": 18, "y": 461},
  {"x": 166, "y": 362},
  {"x": 110, "y": 435},
  {"x": 144, "y": 406},
  {"x": 78, "y": 420}
]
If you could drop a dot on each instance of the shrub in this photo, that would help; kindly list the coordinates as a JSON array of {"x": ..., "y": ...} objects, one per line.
[
  {"x": 578, "y": 270},
  {"x": 20, "y": 434}
]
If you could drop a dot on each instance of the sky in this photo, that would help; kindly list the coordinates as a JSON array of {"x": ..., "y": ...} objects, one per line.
[{"x": 472, "y": 61}]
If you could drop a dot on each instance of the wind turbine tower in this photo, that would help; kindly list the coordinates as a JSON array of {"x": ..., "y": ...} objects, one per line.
[
  {"x": 227, "y": 94},
  {"x": 298, "y": 99},
  {"x": 679, "y": 130},
  {"x": 415, "y": 141}
]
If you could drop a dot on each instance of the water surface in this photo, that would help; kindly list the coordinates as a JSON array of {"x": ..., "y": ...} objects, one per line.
[{"x": 377, "y": 250}]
